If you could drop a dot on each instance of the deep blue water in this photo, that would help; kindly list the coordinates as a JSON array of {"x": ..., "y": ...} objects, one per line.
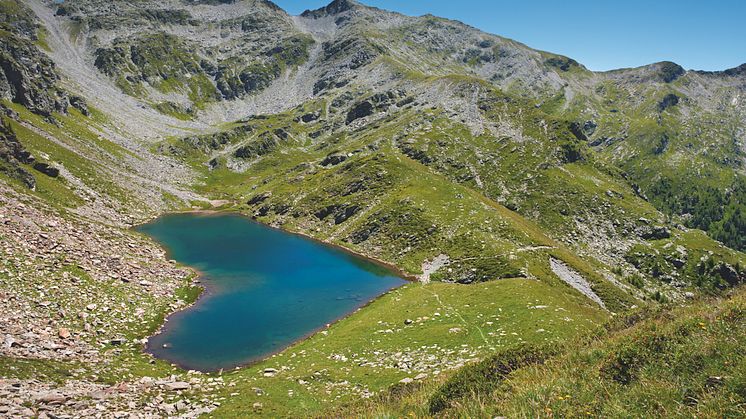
[{"x": 265, "y": 289}]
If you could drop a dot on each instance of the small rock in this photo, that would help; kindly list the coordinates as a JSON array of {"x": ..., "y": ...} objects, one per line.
[
  {"x": 64, "y": 333},
  {"x": 678, "y": 263},
  {"x": 406, "y": 380},
  {"x": 50, "y": 398},
  {"x": 181, "y": 406},
  {"x": 10, "y": 342},
  {"x": 420, "y": 376},
  {"x": 168, "y": 408},
  {"x": 177, "y": 386},
  {"x": 98, "y": 395},
  {"x": 258, "y": 406},
  {"x": 714, "y": 381}
]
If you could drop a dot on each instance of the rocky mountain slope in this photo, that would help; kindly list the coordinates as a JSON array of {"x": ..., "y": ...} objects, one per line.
[{"x": 461, "y": 157}]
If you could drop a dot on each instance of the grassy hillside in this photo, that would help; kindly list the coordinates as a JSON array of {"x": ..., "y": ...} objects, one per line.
[
  {"x": 415, "y": 333},
  {"x": 406, "y": 185},
  {"x": 671, "y": 361}
]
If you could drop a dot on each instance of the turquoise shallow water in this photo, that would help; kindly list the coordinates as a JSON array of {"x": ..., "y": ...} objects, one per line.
[{"x": 265, "y": 289}]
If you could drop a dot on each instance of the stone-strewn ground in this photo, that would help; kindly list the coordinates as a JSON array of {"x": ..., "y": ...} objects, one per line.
[{"x": 82, "y": 296}]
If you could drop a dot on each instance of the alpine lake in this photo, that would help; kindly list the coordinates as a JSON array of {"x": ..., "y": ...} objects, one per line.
[{"x": 264, "y": 289}]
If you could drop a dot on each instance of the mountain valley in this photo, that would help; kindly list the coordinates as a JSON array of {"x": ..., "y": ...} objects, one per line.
[{"x": 545, "y": 214}]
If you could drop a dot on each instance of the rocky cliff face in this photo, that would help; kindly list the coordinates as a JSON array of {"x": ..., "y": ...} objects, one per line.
[
  {"x": 13, "y": 155},
  {"x": 27, "y": 75}
]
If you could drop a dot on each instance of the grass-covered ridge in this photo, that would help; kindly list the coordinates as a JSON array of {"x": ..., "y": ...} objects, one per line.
[{"x": 676, "y": 361}]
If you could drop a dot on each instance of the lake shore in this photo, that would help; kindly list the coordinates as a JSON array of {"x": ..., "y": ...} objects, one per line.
[
  {"x": 209, "y": 289},
  {"x": 390, "y": 266}
]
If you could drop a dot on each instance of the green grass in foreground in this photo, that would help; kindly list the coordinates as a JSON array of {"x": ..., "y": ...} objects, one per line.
[
  {"x": 367, "y": 352},
  {"x": 665, "y": 362}
]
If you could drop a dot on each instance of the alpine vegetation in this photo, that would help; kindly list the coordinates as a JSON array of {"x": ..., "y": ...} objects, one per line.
[{"x": 572, "y": 241}]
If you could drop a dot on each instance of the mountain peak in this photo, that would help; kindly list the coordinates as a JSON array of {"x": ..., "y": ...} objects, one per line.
[
  {"x": 668, "y": 71},
  {"x": 333, "y": 8},
  {"x": 736, "y": 71},
  {"x": 272, "y": 5}
]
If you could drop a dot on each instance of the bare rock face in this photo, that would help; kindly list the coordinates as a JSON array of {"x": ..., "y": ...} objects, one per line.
[
  {"x": 574, "y": 279},
  {"x": 27, "y": 75},
  {"x": 47, "y": 169},
  {"x": 334, "y": 159},
  {"x": 29, "y": 78},
  {"x": 12, "y": 155}
]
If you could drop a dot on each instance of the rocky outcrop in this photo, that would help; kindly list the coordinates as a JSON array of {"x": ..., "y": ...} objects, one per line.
[
  {"x": 361, "y": 110},
  {"x": 334, "y": 159},
  {"x": 80, "y": 104},
  {"x": 737, "y": 71},
  {"x": 12, "y": 155},
  {"x": 668, "y": 71},
  {"x": 263, "y": 144},
  {"x": 309, "y": 117},
  {"x": 654, "y": 233},
  {"x": 410, "y": 149},
  {"x": 380, "y": 102},
  {"x": 577, "y": 130},
  {"x": 47, "y": 169},
  {"x": 28, "y": 77},
  {"x": 210, "y": 142},
  {"x": 668, "y": 101},
  {"x": 333, "y": 8},
  {"x": 562, "y": 63},
  {"x": 340, "y": 213},
  {"x": 259, "y": 198},
  {"x": 730, "y": 275}
]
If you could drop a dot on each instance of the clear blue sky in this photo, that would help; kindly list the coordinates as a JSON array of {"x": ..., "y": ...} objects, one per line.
[{"x": 601, "y": 34}]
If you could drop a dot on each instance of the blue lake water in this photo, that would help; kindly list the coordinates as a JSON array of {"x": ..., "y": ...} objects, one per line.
[{"x": 265, "y": 289}]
